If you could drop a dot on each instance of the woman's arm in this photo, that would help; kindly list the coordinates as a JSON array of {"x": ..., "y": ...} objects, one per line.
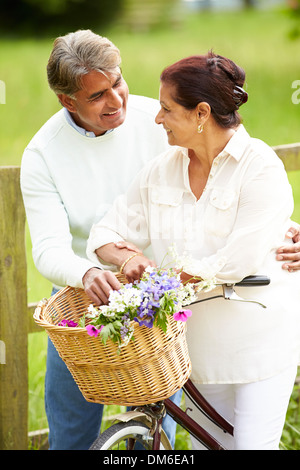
[
  {"x": 126, "y": 222},
  {"x": 131, "y": 264}
]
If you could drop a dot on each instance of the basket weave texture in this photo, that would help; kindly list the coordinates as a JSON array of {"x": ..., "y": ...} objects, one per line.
[{"x": 151, "y": 368}]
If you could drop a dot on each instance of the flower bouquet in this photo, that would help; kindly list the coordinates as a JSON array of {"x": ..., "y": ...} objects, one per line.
[
  {"x": 149, "y": 301},
  {"x": 155, "y": 362}
]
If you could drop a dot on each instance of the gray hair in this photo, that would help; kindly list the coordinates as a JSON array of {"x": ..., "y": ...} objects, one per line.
[{"x": 77, "y": 54}]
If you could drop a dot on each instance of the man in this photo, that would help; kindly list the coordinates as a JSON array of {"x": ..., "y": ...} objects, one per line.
[{"x": 72, "y": 170}]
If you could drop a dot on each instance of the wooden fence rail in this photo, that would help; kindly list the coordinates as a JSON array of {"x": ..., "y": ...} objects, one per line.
[{"x": 15, "y": 313}]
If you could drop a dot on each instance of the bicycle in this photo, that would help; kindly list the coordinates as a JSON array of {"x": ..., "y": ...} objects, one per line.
[{"x": 143, "y": 424}]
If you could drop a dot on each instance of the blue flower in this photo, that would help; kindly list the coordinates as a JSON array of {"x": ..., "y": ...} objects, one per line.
[{"x": 146, "y": 320}]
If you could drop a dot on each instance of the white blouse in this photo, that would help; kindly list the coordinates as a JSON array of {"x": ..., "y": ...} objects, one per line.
[{"x": 231, "y": 232}]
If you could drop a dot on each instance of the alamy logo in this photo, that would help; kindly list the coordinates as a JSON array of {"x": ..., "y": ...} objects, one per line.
[{"x": 296, "y": 94}]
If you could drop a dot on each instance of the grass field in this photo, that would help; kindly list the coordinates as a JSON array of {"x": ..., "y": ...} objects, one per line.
[{"x": 258, "y": 41}]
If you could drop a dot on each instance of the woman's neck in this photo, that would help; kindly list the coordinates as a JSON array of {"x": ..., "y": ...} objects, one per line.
[{"x": 213, "y": 140}]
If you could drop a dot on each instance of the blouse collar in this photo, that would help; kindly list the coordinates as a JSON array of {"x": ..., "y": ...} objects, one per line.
[
  {"x": 238, "y": 143},
  {"x": 235, "y": 147}
]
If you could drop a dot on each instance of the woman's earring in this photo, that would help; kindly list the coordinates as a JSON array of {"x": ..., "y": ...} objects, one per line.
[{"x": 200, "y": 128}]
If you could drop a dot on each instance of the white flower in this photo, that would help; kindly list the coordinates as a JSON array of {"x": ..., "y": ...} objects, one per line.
[
  {"x": 186, "y": 264},
  {"x": 149, "y": 269},
  {"x": 179, "y": 260},
  {"x": 108, "y": 310},
  {"x": 93, "y": 311},
  {"x": 206, "y": 285},
  {"x": 186, "y": 295}
]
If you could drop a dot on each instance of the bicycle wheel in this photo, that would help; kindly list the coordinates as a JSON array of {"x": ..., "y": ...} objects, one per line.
[{"x": 117, "y": 436}]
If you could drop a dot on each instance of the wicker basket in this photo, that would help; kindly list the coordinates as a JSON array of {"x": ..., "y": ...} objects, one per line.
[{"x": 151, "y": 368}]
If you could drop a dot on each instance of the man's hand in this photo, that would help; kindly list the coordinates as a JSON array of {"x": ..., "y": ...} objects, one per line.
[
  {"x": 290, "y": 253},
  {"x": 128, "y": 246},
  {"x": 98, "y": 284}
]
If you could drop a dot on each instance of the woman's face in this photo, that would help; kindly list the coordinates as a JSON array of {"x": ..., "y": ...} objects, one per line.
[{"x": 179, "y": 123}]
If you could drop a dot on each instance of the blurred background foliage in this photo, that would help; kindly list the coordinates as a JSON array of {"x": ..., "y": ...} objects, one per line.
[
  {"x": 150, "y": 34},
  {"x": 41, "y": 18},
  {"x": 53, "y": 17}
]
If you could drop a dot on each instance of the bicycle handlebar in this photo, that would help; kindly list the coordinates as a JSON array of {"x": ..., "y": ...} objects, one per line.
[
  {"x": 251, "y": 281},
  {"x": 230, "y": 294}
]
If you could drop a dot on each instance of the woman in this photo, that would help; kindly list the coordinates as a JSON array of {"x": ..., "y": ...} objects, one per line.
[{"x": 224, "y": 199}]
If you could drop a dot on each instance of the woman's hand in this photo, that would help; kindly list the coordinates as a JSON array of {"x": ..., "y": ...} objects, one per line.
[
  {"x": 128, "y": 257},
  {"x": 135, "y": 267},
  {"x": 290, "y": 253}
]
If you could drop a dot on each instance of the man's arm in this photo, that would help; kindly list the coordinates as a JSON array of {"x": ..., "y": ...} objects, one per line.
[{"x": 290, "y": 253}]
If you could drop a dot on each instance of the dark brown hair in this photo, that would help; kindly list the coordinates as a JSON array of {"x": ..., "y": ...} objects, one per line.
[{"x": 209, "y": 78}]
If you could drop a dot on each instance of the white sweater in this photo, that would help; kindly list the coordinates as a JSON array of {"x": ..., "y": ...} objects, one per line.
[{"x": 69, "y": 181}]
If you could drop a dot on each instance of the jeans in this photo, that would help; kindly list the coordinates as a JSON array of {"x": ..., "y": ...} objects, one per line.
[{"x": 74, "y": 423}]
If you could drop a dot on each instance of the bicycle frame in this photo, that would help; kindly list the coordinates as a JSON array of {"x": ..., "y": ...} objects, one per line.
[
  {"x": 183, "y": 419},
  {"x": 154, "y": 413}
]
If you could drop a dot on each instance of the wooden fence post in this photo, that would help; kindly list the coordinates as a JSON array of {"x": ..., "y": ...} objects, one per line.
[
  {"x": 290, "y": 155},
  {"x": 13, "y": 318}
]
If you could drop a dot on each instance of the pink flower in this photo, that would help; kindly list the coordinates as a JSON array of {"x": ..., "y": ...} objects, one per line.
[
  {"x": 93, "y": 331},
  {"x": 69, "y": 323},
  {"x": 182, "y": 315}
]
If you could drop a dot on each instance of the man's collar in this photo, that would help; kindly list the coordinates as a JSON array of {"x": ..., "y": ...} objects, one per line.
[{"x": 79, "y": 129}]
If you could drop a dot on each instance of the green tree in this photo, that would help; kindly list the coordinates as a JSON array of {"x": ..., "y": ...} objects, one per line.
[{"x": 39, "y": 17}]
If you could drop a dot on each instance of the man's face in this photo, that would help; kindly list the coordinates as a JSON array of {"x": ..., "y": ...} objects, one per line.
[{"x": 101, "y": 103}]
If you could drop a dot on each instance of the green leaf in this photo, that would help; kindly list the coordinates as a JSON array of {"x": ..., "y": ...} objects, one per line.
[
  {"x": 105, "y": 333},
  {"x": 81, "y": 322}
]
